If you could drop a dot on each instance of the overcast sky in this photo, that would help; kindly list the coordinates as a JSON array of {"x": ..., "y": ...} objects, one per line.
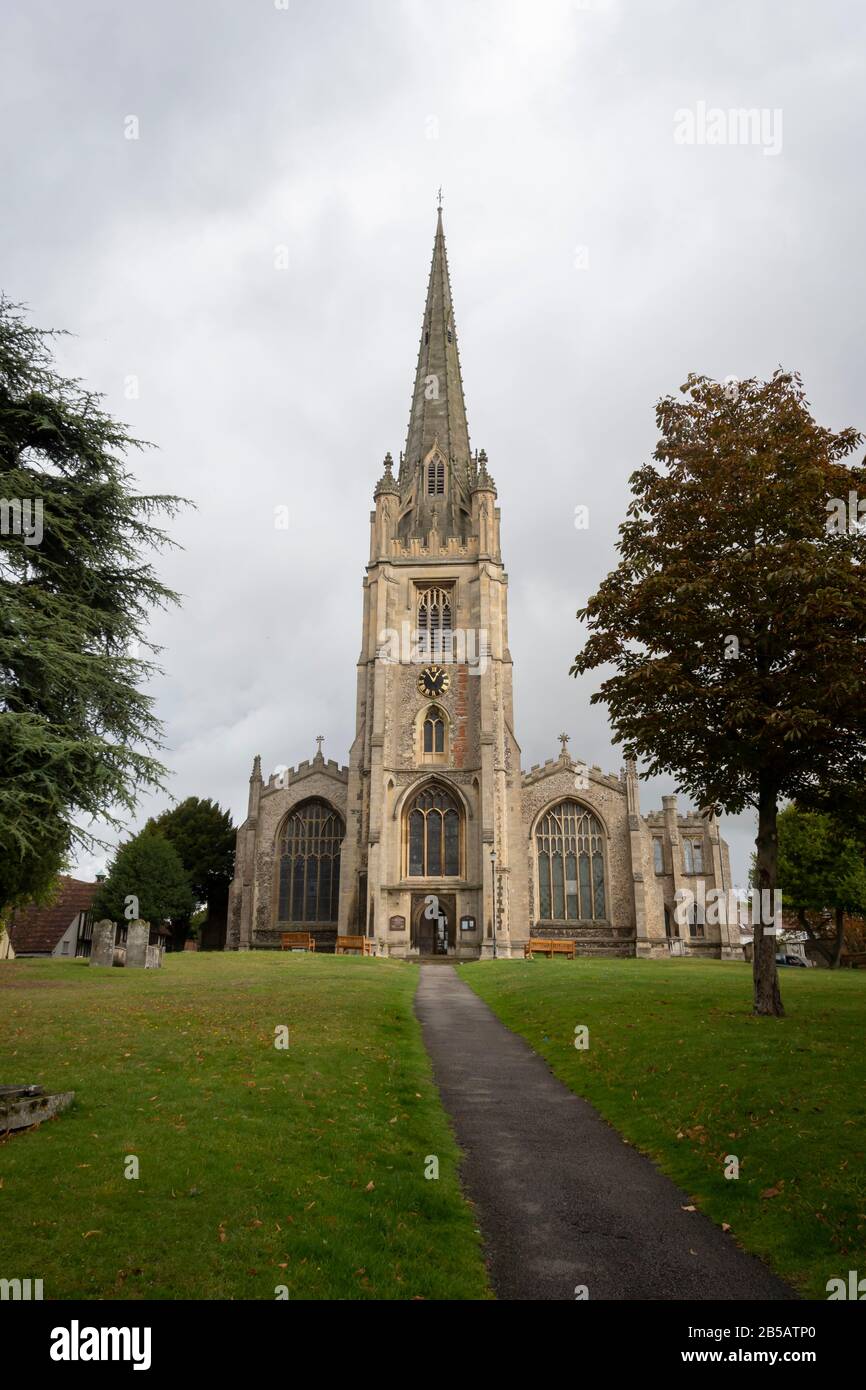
[{"x": 595, "y": 260}]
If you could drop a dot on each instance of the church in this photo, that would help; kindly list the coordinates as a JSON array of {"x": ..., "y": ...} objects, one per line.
[{"x": 433, "y": 841}]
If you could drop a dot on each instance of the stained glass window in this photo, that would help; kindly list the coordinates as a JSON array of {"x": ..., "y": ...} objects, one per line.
[
  {"x": 569, "y": 844},
  {"x": 434, "y": 834},
  {"x": 308, "y": 865}
]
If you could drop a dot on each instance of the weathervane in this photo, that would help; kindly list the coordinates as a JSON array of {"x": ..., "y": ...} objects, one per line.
[{"x": 439, "y": 195}]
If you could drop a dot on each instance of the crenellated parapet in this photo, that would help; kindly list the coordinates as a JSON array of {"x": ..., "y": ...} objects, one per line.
[
  {"x": 282, "y": 778},
  {"x": 538, "y": 771}
]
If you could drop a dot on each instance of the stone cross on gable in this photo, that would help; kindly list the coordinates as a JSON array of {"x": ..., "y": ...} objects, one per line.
[
  {"x": 564, "y": 740},
  {"x": 320, "y": 739}
]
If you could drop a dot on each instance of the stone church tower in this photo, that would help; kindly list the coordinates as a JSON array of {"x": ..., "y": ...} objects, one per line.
[
  {"x": 433, "y": 841},
  {"x": 434, "y": 706}
]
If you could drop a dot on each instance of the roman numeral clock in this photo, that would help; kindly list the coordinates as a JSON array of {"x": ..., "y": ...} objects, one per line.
[{"x": 434, "y": 681}]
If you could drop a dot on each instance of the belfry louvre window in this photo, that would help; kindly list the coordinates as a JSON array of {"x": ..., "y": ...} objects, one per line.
[
  {"x": 433, "y": 824},
  {"x": 434, "y": 610},
  {"x": 434, "y": 730},
  {"x": 308, "y": 865},
  {"x": 435, "y": 478},
  {"x": 570, "y": 857}
]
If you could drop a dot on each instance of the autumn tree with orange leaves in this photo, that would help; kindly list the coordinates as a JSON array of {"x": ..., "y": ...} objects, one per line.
[{"x": 735, "y": 621}]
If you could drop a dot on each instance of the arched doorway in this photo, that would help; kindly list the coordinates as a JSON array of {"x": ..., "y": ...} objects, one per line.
[{"x": 434, "y": 923}]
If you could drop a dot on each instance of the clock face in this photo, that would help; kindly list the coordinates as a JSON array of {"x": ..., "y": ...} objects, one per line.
[{"x": 433, "y": 681}]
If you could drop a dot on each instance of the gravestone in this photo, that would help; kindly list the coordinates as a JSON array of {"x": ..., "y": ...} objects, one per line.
[
  {"x": 23, "y": 1106},
  {"x": 153, "y": 958},
  {"x": 102, "y": 948},
  {"x": 137, "y": 937}
]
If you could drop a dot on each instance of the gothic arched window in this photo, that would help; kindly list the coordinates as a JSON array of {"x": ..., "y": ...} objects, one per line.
[
  {"x": 433, "y": 834},
  {"x": 433, "y": 732},
  {"x": 570, "y": 857},
  {"x": 435, "y": 477},
  {"x": 434, "y": 611},
  {"x": 308, "y": 865}
]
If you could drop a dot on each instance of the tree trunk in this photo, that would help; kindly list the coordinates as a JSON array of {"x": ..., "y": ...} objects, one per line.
[
  {"x": 180, "y": 927},
  {"x": 768, "y": 999},
  {"x": 814, "y": 936},
  {"x": 840, "y": 939}
]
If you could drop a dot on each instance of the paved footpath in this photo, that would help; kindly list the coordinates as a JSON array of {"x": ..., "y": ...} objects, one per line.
[{"x": 561, "y": 1199}]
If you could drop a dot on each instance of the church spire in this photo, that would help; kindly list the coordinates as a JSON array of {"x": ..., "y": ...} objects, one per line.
[
  {"x": 438, "y": 433},
  {"x": 438, "y": 409}
]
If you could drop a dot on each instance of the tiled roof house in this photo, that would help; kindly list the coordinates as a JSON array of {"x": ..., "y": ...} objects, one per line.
[{"x": 62, "y": 928}]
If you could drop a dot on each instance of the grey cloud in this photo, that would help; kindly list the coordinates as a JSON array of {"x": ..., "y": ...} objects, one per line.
[{"x": 309, "y": 128}]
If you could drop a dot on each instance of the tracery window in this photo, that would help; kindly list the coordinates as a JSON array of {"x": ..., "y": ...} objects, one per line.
[
  {"x": 570, "y": 857},
  {"x": 308, "y": 865},
  {"x": 433, "y": 834},
  {"x": 434, "y": 610}
]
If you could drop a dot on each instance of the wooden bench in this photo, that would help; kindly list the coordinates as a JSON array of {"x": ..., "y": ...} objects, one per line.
[
  {"x": 347, "y": 944},
  {"x": 548, "y": 948},
  {"x": 297, "y": 941}
]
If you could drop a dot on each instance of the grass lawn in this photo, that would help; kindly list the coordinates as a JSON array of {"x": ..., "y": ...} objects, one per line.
[
  {"x": 679, "y": 1066},
  {"x": 258, "y": 1167}
]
